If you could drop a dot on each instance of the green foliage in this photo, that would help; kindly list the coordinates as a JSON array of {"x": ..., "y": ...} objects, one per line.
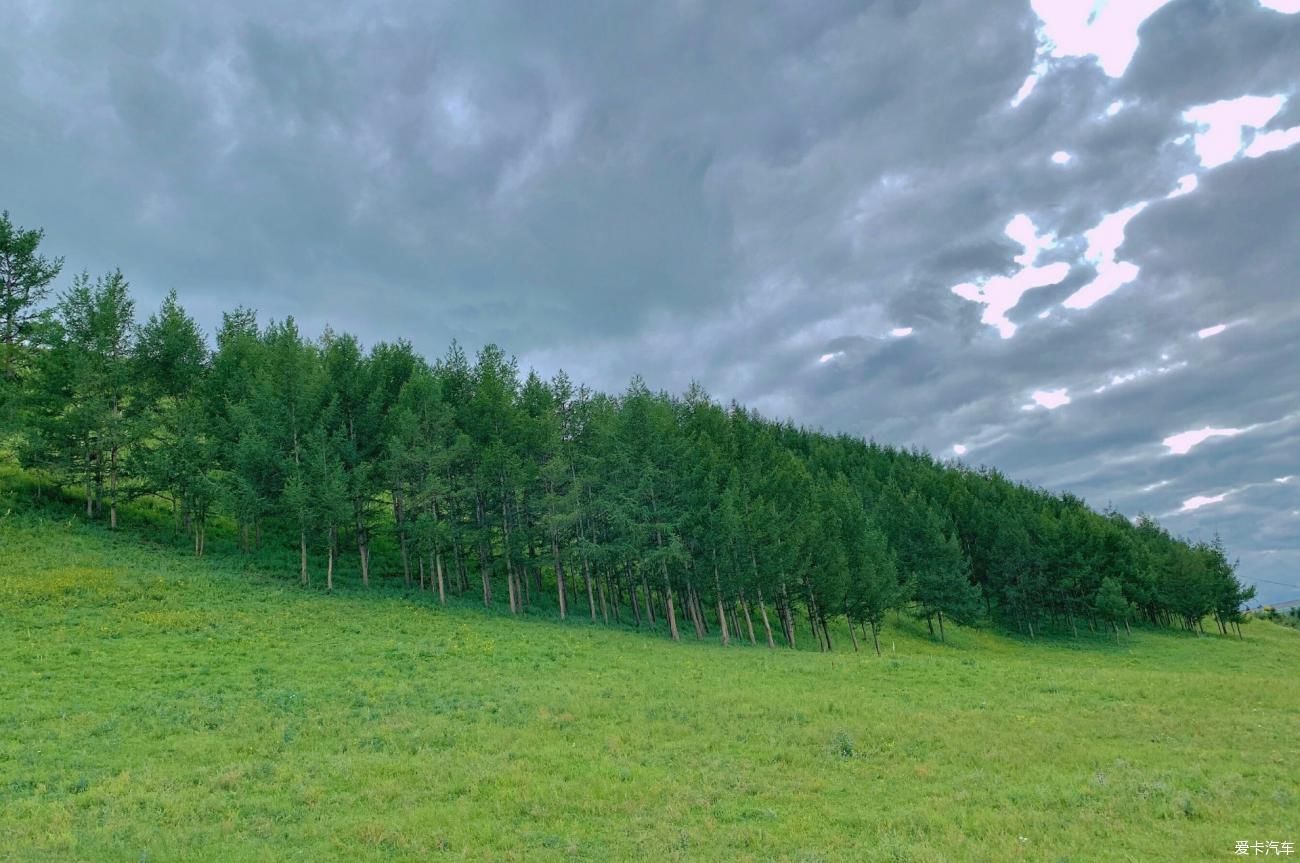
[
  {"x": 676, "y": 512},
  {"x": 25, "y": 279}
]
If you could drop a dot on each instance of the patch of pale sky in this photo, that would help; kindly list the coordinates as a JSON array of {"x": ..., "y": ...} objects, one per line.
[
  {"x": 1118, "y": 380},
  {"x": 959, "y": 448},
  {"x": 900, "y": 332},
  {"x": 1050, "y": 399},
  {"x": 1271, "y": 142},
  {"x": 1031, "y": 81},
  {"x": 1187, "y": 184},
  {"x": 1200, "y": 500},
  {"x": 1220, "y": 127},
  {"x": 1210, "y": 332},
  {"x": 1061, "y": 157},
  {"x": 1001, "y": 294},
  {"x": 1104, "y": 241},
  {"x": 1106, "y": 31},
  {"x": 1184, "y": 442}
]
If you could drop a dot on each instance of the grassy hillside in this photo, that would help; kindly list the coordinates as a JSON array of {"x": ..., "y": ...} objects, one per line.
[{"x": 156, "y": 708}]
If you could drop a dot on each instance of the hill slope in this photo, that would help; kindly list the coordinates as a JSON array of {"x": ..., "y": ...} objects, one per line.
[{"x": 161, "y": 708}]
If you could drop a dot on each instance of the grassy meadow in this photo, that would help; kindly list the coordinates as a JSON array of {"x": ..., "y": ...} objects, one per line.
[{"x": 157, "y": 707}]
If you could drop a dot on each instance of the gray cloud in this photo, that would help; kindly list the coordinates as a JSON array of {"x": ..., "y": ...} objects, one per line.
[{"x": 691, "y": 191}]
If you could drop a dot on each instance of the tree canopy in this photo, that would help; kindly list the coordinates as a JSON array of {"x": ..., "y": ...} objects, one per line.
[{"x": 463, "y": 475}]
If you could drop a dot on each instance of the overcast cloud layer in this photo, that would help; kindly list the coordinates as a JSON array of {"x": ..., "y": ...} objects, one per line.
[{"x": 1007, "y": 233}]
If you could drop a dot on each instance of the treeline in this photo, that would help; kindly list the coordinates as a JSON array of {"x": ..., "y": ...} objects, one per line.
[{"x": 642, "y": 508}]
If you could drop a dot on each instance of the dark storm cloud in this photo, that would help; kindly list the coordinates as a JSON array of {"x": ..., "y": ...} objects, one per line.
[{"x": 729, "y": 194}]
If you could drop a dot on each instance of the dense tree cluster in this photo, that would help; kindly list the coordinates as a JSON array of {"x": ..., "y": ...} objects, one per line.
[{"x": 642, "y": 508}]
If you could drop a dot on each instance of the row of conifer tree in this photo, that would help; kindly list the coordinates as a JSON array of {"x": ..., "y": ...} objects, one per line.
[{"x": 462, "y": 477}]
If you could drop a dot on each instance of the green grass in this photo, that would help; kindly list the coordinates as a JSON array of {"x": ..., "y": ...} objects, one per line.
[{"x": 154, "y": 707}]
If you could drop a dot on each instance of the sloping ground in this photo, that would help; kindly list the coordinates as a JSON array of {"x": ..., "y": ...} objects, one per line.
[{"x": 153, "y": 707}]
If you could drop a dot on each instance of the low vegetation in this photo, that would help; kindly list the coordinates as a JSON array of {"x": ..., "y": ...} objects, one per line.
[{"x": 159, "y": 706}]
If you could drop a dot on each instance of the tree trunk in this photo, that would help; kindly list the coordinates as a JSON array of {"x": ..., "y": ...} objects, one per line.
[
  {"x": 484, "y": 553},
  {"x": 437, "y": 570},
  {"x": 749, "y": 621},
  {"x": 767, "y": 624},
  {"x": 363, "y": 553},
  {"x": 787, "y": 616},
  {"x": 668, "y": 607},
  {"x": 633, "y": 593},
  {"x": 604, "y": 609},
  {"x": 942, "y": 637},
  {"x": 302, "y": 550},
  {"x": 112, "y": 487},
  {"x": 697, "y": 616},
  {"x": 722, "y": 624},
  {"x": 512, "y": 581},
  {"x": 333, "y": 551},
  {"x": 399, "y": 521},
  {"x": 559, "y": 576},
  {"x": 853, "y": 635},
  {"x": 649, "y": 600},
  {"x": 875, "y": 637},
  {"x": 722, "y": 615},
  {"x": 591, "y": 593}
]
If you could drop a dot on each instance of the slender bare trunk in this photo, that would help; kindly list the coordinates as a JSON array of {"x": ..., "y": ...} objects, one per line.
[
  {"x": 767, "y": 624},
  {"x": 302, "y": 557},
  {"x": 399, "y": 520},
  {"x": 722, "y": 615},
  {"x": 749, "y": 621},
  {"x": 649, "y": 600},
  {"x": 442, "y": 582},
  {"x": 787, "y": 616},
  {"x": 363, "y": 552},
  {"x": 112, "y": 488},
  {"x": 604, "y": 608},
  {"x": 632, "y": 592},
  {"x": 591, "y": 593},
  {"x": 329, "y": 566},
  {"x": 559, "y": 576},
  {"x": 668, "y": 607}
]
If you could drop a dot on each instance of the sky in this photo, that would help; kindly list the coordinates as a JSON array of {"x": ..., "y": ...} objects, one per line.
[{"x": 1059, "y": 238}]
